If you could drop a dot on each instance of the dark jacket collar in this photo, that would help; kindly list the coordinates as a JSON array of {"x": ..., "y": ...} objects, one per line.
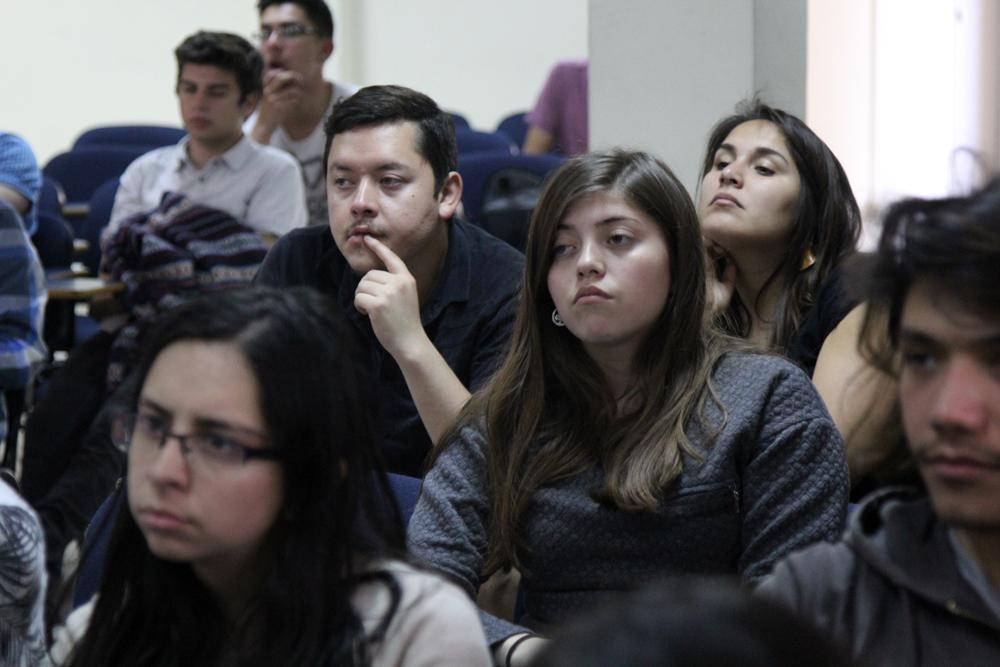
[{"x": 896, "y": 533}]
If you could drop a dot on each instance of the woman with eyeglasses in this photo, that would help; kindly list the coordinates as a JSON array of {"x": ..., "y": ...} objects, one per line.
[
  {"x": 259, "y": 528},
  {"x": 622, "y": 440}
]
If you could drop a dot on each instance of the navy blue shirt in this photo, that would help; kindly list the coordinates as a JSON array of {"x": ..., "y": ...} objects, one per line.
[{"x": 468, "y": 316}]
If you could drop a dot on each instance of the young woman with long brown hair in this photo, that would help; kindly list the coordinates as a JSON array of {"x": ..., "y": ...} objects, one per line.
[{"x": 623, "y": 439}]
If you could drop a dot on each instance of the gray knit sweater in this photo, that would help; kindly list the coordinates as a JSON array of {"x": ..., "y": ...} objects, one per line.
[{"x": 774, "y": 481}]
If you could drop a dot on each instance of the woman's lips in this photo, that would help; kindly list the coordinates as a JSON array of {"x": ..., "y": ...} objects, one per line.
[
  {"x": 725, "y": 200},
  {"x": 591, "y": 295},
  {"x": 157, "y": 519}
]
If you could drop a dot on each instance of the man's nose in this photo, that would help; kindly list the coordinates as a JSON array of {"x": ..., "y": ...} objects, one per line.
[
  {"x": 364, "y": 204},
  {"x": 960, "y": 405}
]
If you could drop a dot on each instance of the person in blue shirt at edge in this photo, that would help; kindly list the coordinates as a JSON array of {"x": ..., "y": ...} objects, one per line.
[{"x": 431, "y": 296}]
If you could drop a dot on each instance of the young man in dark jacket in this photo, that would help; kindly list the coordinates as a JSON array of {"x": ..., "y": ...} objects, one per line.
[
  {"x": 916, "y": 580},
  {"x": 431, "y": 297}
]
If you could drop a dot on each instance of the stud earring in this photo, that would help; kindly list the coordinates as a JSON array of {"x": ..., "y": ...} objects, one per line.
[{"x": 556, "y": 320}]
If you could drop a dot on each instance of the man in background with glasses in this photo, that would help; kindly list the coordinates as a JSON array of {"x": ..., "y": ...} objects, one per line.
[{"x": 296, "y": 39}]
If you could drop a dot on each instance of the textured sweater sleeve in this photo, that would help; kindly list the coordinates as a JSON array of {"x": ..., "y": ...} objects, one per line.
[
  {"x": 795, "y": 484},
  {"x": 449, "y": 527}
]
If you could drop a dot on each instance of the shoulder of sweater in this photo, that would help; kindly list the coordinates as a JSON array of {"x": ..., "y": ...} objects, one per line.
[{"x": 758, "y": 368}]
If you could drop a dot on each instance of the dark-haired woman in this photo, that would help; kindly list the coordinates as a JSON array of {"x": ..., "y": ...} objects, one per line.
[
  {"x": 257, "y": 529},
  {"x": 623, "y": 440},
  {"x": 780, "y": 219}
]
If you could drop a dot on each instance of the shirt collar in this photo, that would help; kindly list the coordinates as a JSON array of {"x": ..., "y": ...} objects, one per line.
[{"x": 234, "y": 158}]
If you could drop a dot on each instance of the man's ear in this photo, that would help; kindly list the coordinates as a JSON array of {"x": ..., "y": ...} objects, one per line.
[
  {"x": 249, "y": 104},
  {"x": 450, "y": 195},
  {"x": 326, "y": 50}
]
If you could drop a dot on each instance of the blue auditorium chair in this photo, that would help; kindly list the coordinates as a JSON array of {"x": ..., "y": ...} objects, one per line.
[
  {"x": 146, "y": 137},
  {"x": 473, "y": 141},
  {"x": 81, "y": 172},
  {"x": 98, "y": 215},
  {"x": 458, "y": 120},
  {"x": 514, "y": 127},
  {"x": 499, "y": 192}
]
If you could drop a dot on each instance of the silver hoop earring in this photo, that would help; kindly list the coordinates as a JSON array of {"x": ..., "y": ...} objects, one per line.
[{"x": 556, "y": 320}]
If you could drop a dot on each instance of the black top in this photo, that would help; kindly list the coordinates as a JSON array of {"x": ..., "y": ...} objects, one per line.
[
  {"x": 468, "y": 316},
  {"x": 833, "y": 303}
]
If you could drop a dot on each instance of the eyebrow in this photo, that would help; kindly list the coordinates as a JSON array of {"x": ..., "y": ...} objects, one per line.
[
  {"x": 760, "y": 151},
  {"x": 388, "y": 166},
  {"x": 913, "y": 336},
  {"x": 203, "y": 423},
  {"x": 606, "y": 221},
  {"x": 218, "y": 85}
]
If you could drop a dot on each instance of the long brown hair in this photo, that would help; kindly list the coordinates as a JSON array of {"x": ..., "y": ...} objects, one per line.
[
  {"x": 548, "y": 413},
  {"x": 827, "y": 222}
]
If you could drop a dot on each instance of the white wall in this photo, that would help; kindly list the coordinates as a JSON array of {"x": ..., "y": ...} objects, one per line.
[
  {"x": 911, "y": 106},
  {"x": 72, "y": 64},
  {"x": 662, "y": 73},
  {"x": 482, "y": 58}
]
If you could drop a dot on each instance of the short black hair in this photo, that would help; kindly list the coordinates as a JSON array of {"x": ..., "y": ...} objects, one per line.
[
  {"x": 317, "y": 11},
  {"x": 226, "y": 51},
  {"x": 382, "y": 105}
]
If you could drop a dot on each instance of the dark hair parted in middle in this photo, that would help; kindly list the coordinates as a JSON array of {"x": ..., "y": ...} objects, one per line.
[
  {"x": 335, "y": 517},
  {"x": 382, "y": 105},
  {"x": 225, "y": 51},
  {"x": 549, "y": 389},
  {"x": 827, "y": 221}
]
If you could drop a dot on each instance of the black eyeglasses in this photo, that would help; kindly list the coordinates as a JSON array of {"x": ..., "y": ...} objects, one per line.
[
  {"x": 284, "y": 31},
  {"x": 212, "y": 449}
]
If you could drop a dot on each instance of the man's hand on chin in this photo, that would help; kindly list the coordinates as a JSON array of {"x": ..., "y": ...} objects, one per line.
[{"x": 389, "y": 299}]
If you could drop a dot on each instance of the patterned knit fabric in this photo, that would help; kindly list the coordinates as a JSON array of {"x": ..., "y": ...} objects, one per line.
[
  {"x": 176, "y": 251},
  {"x": 22, "y": 582},
  {"x": 774, "y": 481}
]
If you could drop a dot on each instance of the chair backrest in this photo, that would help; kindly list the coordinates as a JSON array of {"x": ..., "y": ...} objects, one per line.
[
  {"x": 97, "y": 219},
  {"x": 477, "y": 170},
  {"x": 51, "y": 197},
  {"x": 130, "y": 136},
  {"x": 53, "y": 240},
  {"x": 458, "y": 120},
  {"x": 514, "y": 127},
  {"x": 473, "y": 141},
  {"x": 405, "y": 490},
  {"x": 80, "y": 172}
]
